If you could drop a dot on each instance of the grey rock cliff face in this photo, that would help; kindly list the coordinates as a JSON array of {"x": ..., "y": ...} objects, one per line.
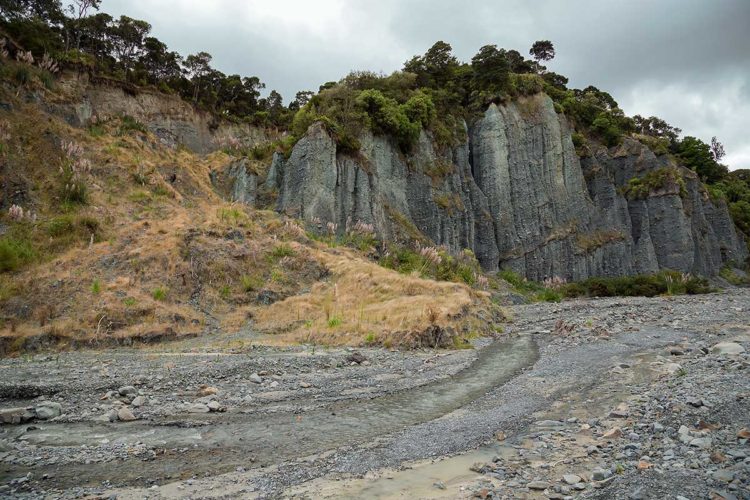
[
  {"x": 517, "y": 194},
  {"x": 169, "y": 117}
]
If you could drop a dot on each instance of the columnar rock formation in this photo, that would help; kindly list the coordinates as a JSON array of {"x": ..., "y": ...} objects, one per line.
[{"x": 517, "y": 194}]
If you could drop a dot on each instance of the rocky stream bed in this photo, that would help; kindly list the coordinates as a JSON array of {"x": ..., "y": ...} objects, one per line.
[{"x": 610, "y": 398}]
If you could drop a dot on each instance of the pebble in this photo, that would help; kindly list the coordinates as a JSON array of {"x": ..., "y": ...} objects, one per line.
[
  {"x": 255, "y": 378},
  {"x": 127, "y": 390},
  {"x": 198, "y": 408},
  {"x": 138, "y": 401},
  {"x": 727, "y": 348},
  {"x": 571, "y": 479},
  {"x": 124, "y": 414},
  {"x": 537, "y": 485}
]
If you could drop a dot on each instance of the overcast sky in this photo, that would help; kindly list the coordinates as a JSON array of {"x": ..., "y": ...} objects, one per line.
[{"x": 687, "y": 61}]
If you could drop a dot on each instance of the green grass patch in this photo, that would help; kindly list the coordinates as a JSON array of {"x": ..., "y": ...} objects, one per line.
[{"x": 160, "y": 293}]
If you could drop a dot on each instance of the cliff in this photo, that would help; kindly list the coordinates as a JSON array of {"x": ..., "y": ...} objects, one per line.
[
  {"x": 173, "y": 120},
  {"x": 518, "y": 195}
]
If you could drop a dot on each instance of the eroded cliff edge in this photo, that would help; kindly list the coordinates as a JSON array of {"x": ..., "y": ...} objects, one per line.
[{"x": 518, "y": 195}]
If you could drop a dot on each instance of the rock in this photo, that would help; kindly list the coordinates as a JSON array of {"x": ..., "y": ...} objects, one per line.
[
  {"x": 571, "y": 479},
  {"x": 356, "y": 357},
  {"x": 502, "y": 217},
  {"x": 657, "y": 427},
  {"x": 48, "y": 410},
  {"x": 214, "y": 406},
  {"x": 729, "y": 348},
  {"x": 138, "y": 401},
  {"x": 305, "y": 385},
  {"x": 672, "y": 368},
  {"x": 15, "y": 416},
  {"x": 743, "y": 433},
  {"x": 601, "y": 474},
  {"x": 198, "y": 408},
  {"x": 723, "y": 476},
  {"x": 125, "y": 414},
  {"x": 619, "y": 413},
  {"x": 255, "y": 379},
  {"x": 702, "y": 443},
  {"x": 676, "y": 351},
  {"x": 694, "y": 402},
  {"x": 537, "y": 485},
  {"x": 613, "y": 433},
  {"x": 439, "y": 485},
  {"x": 127, "y": 390},
  {"x": 500, "y": 436}
]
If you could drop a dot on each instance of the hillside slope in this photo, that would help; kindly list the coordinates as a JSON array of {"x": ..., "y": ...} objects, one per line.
[{"x": 119, "y": 236}]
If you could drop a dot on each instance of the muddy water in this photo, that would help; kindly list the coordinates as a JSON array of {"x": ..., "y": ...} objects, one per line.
[{"x": 231, "y": 439}]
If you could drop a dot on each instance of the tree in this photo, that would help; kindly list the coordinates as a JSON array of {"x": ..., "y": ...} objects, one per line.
[
  {"x": 198, "y": 66},
  {"x": 300, "y": 99},
  {"x": 517, "y": 62},
  {"x": 717, "y": 149},
  {"x": 542, "y": 50},
  {"x": 78, "y": 10},
  {"x": 656, "y": 127},
  {"x": 159, "y": 63},
  {"x": 436, "y": 68},
  {"x": 127, "y": 36},
  {"x": 697, "y": 155},
  {"x": 491, "y": 69}
]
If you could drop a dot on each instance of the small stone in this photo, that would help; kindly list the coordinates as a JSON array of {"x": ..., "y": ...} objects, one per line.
[
  {"x": 48, "y": 410},
  {"x": 743, "y": 433},
  {"x": 124, "y": 414},
  {"x": 658, "y": 427},
  {"x": 138, "y": 401},
  {"x": 198, "y": 408},
  {"x": 15, "y": 415},
  {"x": 305, "y": 385},
  {"x": 255, "y": 379},
  {"x": 683, "y": 430},
  {"x": 702, "y": 443},
  {"x": 127, "y": 390},
  {"x": 439, "y": 485},
  {"x": 613, "y": 433},
  {"x": 730, "y": 348},
  {"x": 356, "y": 357},
  {"x": 601, "y": 474},
  {"x": 723, "y": 476},
  {"x": 618, "y": 414},
  {"x": 571, "y": 479},
  {"x": 695, "y": 402},
  {"x": 213, "y": 406},
  {"x": 538, "y": 485},
  {"x": 500, "y": 436}
]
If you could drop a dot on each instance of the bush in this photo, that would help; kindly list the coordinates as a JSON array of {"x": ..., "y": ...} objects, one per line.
[
  {"x": 159, "y": 293},
  {"x": 662, "y": 283},
  {"x": 14, "y": 253}
]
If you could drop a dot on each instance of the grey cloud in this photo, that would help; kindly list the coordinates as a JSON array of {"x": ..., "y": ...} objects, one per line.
[{"x": 632, "y": 49}]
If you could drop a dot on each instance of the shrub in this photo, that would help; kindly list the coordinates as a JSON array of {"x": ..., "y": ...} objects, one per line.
[
  {"x": 14, "y": 253},
  {"x": 130, "y": 124},
  {"x": 665, "y": 282},
  {"x": 251, "y": 283},
  {"x": 96, "y": 287},
  {"x": 655, "y": 180}
]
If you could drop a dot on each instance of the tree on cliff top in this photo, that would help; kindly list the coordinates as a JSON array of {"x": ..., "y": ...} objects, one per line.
[{"x": 542, "y": 50}]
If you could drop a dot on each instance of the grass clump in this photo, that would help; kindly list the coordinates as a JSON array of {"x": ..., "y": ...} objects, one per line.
[
  {"x": 282, "y": 250},
  {"x": 435, "y": 263},
  {"x": 250, "y": 283},
  {"x": 96, "y": 287},
  {"x": 665, "y": 178},
  {"x": 15, "y": 253},
  {"x": 159, "y": 293},
  {"x": 733, "y": 277}
]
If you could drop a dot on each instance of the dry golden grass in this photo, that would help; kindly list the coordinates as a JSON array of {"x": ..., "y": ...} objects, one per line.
[
  {"x": 172, "y": 256},
  {"x": 365, "y": 303}
]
